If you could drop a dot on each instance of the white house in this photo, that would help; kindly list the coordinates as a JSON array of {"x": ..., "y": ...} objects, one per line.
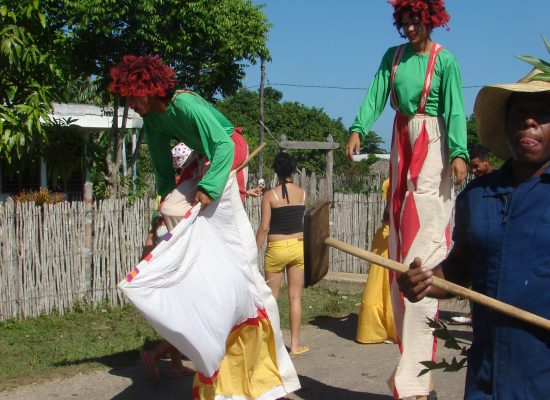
[{"x": 89, "y": 119}]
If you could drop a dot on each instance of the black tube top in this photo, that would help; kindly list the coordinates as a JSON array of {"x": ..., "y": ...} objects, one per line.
[{"x": 287, "y": 220}]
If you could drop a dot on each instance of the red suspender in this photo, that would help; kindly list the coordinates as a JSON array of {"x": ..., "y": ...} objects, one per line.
[
  {"x": 190, "y": 92},
  {"x": 434, "y": 51},
  {"x": 184, "y": 91},
  {"x": 396, "y": 58}
]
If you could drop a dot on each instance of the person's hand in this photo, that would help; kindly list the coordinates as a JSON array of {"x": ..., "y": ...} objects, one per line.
[
  {"x": 458, "y": 170},
  {"x": 255, "y": 192},
  {"x": 416, "y": 282},
  {"x": 202, "y": 197},
  {"x": 353, "y": 146}
]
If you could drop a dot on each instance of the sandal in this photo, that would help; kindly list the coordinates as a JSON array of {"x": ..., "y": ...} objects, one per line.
[
  {"x": 150, "y": 366},
  {"x": 301, "y": 350},
  {"x": 179, "y": 373}
]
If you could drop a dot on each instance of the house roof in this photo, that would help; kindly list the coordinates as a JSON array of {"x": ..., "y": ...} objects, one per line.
[
  {"x": 93, "y": 117},
  {"x": 365, "y": 156}
]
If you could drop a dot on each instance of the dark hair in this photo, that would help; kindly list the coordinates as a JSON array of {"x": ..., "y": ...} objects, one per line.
[
  {"x": 480, "y": 152},
  {"x": 142, "y": 76},
  {"x": 430, "y": 12},
  {"x": 284, "y": 165}
]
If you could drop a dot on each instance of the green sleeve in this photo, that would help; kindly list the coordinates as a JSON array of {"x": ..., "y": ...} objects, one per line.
[
  {"x": 224, "y": 122},
  {"x": 376, "y": 98},
  {"x": 455, "y": 117},
  {"x": 161, "y": 155},
  {"x": 216, "y": 144}
]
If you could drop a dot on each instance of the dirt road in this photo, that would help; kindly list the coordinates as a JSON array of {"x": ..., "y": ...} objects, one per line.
[{"x": 335, "y": 368}]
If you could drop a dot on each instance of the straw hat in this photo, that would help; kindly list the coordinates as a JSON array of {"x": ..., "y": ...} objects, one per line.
[{"x": 490, "y": 111}]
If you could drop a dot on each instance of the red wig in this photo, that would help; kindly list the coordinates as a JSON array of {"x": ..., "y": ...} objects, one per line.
[
  {"x": 432, "y": 13},
  {"x": 142, "y": 76}
]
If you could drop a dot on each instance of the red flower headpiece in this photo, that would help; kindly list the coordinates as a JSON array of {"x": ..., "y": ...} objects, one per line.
[
  {"x": 431, "y": 12},
  {"x": 142, "y": 76}
]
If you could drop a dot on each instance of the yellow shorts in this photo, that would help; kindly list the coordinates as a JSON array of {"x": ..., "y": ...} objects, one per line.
[{"x": 281, "y": 254}]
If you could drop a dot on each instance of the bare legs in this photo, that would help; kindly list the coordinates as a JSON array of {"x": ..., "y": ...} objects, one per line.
[
  {"x": 151, "y": 357},
  {"x": 176, "y": 370},
  {"x": 295, "y": 278}
]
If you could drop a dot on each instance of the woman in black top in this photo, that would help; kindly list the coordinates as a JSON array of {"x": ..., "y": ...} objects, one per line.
[{"x": 282, "y": 222}]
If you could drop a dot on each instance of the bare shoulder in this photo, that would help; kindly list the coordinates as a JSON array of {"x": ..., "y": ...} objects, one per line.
[{"x": 269, "y": 197}]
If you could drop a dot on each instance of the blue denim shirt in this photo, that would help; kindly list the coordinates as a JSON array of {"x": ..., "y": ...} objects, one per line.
[{"x": 505, "y": 230}]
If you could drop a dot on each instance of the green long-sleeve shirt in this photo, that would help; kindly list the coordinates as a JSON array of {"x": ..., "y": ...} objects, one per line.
[
  {"x": 445, "y": 97},
  {"x": 191, "y": 120}
]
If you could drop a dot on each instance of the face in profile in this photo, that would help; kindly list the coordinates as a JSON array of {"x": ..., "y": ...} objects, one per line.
[
  {"x": 528, "y": 127},
  {"x": 479, "y": 167},
  {"x": 140, "y": 104}
]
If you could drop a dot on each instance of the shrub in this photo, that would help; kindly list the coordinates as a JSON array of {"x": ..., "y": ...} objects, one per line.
[{"x": 39, "y": 197}]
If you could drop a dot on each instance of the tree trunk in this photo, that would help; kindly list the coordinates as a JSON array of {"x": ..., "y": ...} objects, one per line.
[{"x": 113, "y": 157}]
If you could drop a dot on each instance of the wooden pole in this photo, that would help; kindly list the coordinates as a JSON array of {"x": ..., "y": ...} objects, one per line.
[
  {"x": 450, "y": 287},
  {"x": 88, "y": 236},
  {"x": 329, "y": 168},
  {"x": 250, "y": 157},
  {"x": 262, "y": 134},
  {"x": 134, "y": 165}
]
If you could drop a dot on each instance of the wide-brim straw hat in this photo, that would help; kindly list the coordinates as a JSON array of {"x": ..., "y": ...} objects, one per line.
[{"x": 490, "y": 111}]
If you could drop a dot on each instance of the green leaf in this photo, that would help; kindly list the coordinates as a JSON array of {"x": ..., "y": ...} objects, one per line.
[
  {"x": 536, "y": 62},
  {"x": 541, "y": 77},
  {"x": 546, "y": 43},
  {"x": 424, "y": 371},
  {"x": 42, "y": 18}
]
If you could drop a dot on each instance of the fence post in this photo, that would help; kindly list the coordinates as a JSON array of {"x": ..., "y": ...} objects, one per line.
[
  {"x": 329, "y": 167},
  {"x": 88, "y": 238}
]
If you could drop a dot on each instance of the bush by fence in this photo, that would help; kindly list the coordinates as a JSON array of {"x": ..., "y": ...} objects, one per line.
[{"x": 54, "y": 255}]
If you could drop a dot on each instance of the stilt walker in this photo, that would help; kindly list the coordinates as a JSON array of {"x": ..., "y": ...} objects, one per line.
[
  {"x": 421, "y": 210},
  {"x": 200, "y": 288},
  {"x": 428, "y": 151}
]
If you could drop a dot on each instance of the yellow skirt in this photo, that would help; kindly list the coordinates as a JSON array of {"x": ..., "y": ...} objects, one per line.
[
  {"x": 249, "y": 369},
  {"x": 376, "y": 313}
]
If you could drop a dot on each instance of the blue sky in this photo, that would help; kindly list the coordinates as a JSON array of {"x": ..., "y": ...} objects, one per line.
[{"x": 340, "y": 43}]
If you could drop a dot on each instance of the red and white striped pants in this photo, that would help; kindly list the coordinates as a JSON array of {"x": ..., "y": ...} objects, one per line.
[{"x": 422, "y": 201}]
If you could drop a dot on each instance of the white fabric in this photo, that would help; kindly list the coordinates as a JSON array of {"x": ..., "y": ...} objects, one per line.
[
  {"x": 180, "y": 200},
  {"x": 203, "y": 281},
  {"x": 434, "y": 200}
]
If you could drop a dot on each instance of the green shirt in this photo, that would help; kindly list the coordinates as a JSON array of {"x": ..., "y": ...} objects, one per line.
[
  {"x": 192, "y": 120},
  {"x": 445, "y": 97}
]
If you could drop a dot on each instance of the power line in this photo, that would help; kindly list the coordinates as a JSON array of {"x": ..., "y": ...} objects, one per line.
[
  {"x": 310, "y": 86},
  {"x": 335, "y": 87}
]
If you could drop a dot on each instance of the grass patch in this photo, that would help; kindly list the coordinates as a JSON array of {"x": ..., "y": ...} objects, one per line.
[
  {"x": 38, "y": 349},
  {"x": 319, "y": 303}
]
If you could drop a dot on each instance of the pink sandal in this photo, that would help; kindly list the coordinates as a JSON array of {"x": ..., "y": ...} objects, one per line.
[
  {"x": 179, "y": 373},
  {"x": 150, "y": 366}
]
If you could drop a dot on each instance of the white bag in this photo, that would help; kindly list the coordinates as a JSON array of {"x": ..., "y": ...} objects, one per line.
[{"x": 202, "y": 281}]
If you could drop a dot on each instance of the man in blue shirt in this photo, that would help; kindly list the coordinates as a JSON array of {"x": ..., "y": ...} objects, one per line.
[{"x": 502, "y": 245}]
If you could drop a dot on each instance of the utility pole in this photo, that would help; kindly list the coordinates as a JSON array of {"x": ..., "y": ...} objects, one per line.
[{"x": 262, "y": 79}]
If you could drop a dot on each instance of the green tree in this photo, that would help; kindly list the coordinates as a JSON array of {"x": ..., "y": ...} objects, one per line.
[
  {"x": 207, "y": 43},
  {"x": 471, "y": 132},
  {"x": 292, "y": 119},
  {"x": 473, "y": 141},
  {"x": 29, "y": 76},
  {"x": 373, "y": 143}
]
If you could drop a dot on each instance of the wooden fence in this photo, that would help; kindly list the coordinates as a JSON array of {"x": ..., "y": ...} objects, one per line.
[{"x": 54, "y": 256}]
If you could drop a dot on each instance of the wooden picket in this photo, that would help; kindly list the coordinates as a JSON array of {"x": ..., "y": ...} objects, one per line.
[{"x": 47, "y": 261}]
